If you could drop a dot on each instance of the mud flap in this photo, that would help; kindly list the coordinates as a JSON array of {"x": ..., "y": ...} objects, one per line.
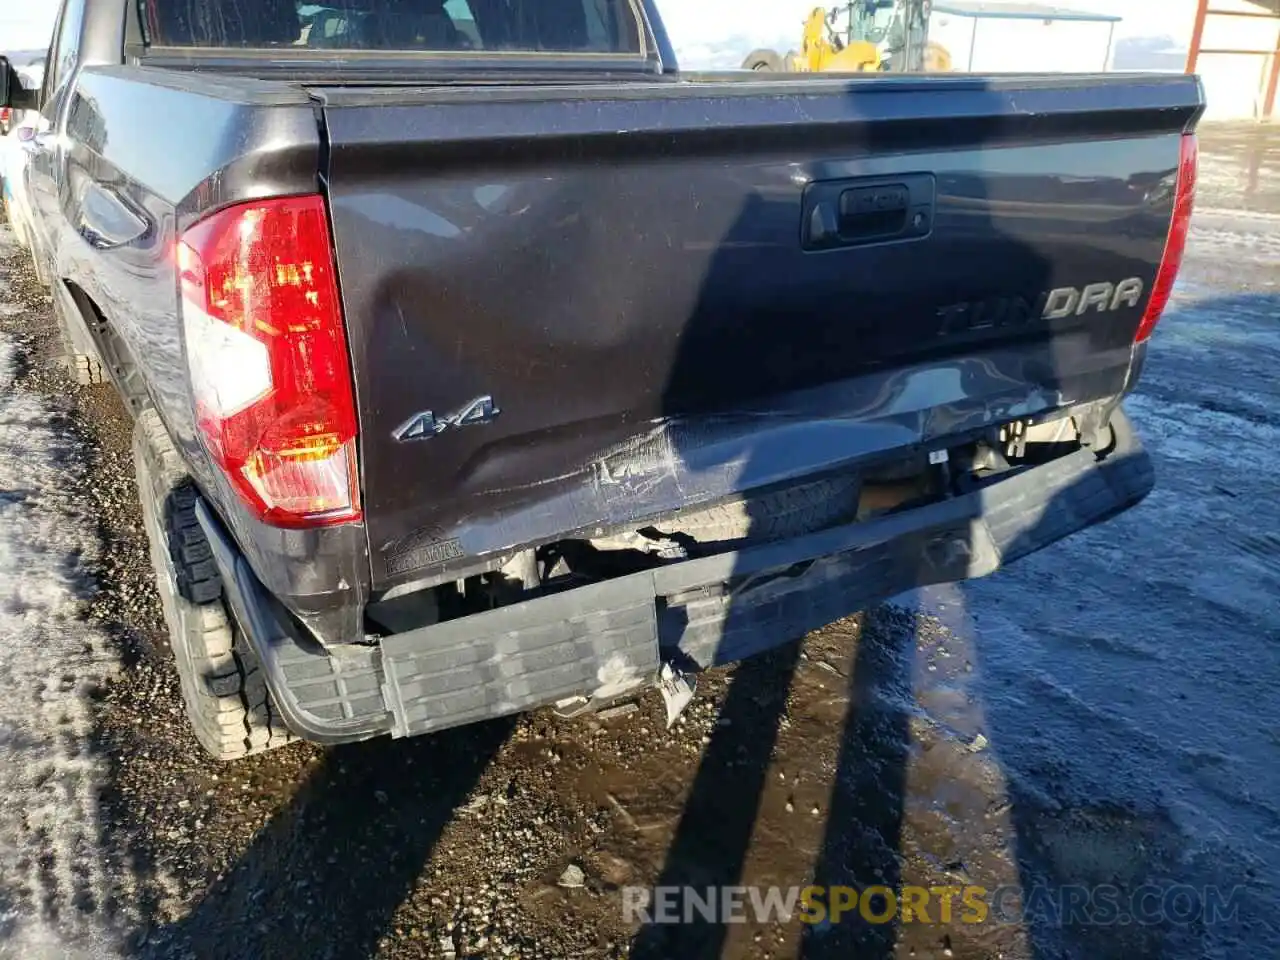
[{"x": 601, "y": 641}]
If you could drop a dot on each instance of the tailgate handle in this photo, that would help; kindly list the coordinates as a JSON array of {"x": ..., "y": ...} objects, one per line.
[
  {"x": 874, "y": 211},
  {"x": 849, "y": 213}
]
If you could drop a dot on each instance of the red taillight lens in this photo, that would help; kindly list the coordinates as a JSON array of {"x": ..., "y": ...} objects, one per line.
[
  {"x": 1176, "y": 245},
  {"x": 268, "y": 358}
]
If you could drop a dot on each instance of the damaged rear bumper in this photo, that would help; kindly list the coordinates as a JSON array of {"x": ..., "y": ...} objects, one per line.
[{"x": 605, "y": 640}]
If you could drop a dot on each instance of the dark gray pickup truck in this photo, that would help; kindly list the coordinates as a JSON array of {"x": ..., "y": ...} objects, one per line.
[{"x": 481, "y": 360}]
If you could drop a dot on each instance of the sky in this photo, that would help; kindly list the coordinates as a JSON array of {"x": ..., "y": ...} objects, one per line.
[
  {"x": 30, "y": 26},
  {"x": 719, "y": 33}
]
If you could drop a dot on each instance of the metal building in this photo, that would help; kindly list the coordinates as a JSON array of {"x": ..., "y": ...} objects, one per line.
[{"x": 1235, "y": 47}]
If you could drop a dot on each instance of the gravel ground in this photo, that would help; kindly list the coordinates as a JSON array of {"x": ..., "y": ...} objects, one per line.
[{"x": 1103, "y": 712}]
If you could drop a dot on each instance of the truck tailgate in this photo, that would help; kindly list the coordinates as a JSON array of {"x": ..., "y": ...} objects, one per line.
[{"x": 572, "y": 308}]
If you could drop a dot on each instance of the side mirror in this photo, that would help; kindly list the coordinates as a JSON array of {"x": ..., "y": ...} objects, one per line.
[{"x": 26, "y": 134}]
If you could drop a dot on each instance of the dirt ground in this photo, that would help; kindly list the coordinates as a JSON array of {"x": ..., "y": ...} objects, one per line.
[{"x": 1104, "y": 713}]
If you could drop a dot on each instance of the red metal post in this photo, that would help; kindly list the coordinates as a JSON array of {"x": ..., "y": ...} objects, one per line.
[
  {"x": 1269, "y": 104},
  {"x": 1197, "y": 36}
]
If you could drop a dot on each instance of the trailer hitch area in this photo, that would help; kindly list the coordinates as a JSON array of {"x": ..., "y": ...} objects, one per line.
[
  {"x": 677, "y": 689},
  {"x": 676, "y": 686}
]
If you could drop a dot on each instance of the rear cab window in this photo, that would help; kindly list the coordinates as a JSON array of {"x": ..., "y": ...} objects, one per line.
[{"x": 427, "y": 26}]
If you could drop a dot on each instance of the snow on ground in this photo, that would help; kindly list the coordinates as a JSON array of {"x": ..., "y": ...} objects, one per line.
[
  {"x": 1226, "y": 178},
  {"x": 53, "y": 890}
]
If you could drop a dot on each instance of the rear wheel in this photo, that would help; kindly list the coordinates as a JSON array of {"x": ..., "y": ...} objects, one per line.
[
  {"x": 223, "y": 689},
  {"x": 937, "y": 58},
  {"x": 763, "y": 60},
  {"x": 84, "y": 369}
]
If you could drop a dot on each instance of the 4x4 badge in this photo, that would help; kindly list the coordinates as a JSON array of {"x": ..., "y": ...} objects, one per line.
[{"x": 425, "y": 425}]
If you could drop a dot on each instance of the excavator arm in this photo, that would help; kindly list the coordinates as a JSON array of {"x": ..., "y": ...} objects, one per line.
[{"x": 907, "y": 43}]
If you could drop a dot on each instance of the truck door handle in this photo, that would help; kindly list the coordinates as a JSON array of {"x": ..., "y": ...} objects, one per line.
[{"x": 850, "y": 213}]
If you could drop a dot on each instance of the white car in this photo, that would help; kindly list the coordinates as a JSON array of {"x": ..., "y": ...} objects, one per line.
[{"x": 15, "y": 153}]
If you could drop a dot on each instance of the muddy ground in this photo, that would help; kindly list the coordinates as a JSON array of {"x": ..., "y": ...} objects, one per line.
[{"x": 1103, "y": 713}]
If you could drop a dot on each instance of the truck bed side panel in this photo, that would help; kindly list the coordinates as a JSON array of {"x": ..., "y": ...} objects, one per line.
[{"x": 163, "y": 149}]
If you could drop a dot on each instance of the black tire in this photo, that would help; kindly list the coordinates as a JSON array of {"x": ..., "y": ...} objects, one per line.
[
  {"x": 223, "y": 689},
  {"x": 788, "y": 512},
  {"x": 84, "y": 369},
  {"x": 766, "y": 61}
]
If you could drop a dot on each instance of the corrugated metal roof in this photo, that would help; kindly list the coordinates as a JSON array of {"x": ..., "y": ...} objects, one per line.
[{"x": 1020, "y": 11}]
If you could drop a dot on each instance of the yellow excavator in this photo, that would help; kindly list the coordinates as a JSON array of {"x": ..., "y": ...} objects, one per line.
[{"x": 870, "y": 29}]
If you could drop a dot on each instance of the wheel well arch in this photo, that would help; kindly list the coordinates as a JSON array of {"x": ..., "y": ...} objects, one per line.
[{"x": 113, "y": 351}]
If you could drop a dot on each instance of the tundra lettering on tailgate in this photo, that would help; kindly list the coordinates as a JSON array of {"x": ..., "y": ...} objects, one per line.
[{"x": 1051, "y": 305}]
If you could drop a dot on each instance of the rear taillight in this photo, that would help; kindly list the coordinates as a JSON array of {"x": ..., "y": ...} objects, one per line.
[
  {"x": 1176, "y": 245},
  {"x": 268, "y": 357}
]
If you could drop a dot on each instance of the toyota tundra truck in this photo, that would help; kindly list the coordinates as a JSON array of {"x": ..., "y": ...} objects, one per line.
[{"x": 482, "y": 360}]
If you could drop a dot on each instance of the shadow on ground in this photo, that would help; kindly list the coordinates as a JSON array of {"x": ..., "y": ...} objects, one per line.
[{"x": 326, "y": 875}]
